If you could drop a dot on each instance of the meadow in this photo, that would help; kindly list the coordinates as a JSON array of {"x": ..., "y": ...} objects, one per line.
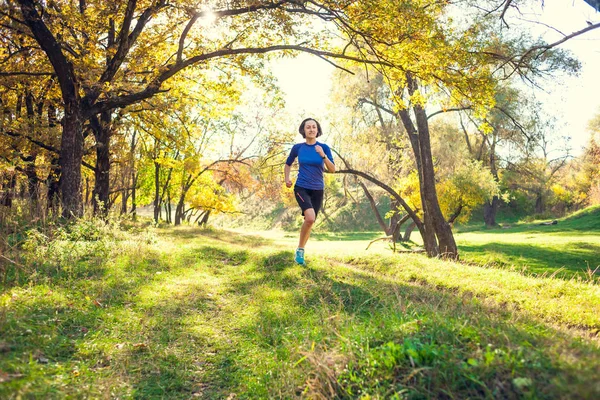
[
  {"x": 142, "y": 312},
  {"x": 568, "y": 249}
]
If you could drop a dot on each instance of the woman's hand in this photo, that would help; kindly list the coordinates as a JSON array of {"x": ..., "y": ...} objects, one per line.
[
  {"x": 320, "y": 151},
  {"x": 288, "y": 183}
]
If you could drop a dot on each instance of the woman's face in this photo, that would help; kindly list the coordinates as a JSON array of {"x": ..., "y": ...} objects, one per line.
[{"x": 310, "y": 129}]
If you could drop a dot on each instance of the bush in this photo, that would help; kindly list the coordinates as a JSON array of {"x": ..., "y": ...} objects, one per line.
[{"x": 62, "y": 249}]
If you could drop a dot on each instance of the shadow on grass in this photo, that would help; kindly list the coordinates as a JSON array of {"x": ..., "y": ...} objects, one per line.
[
  {"x": 218, "y": 256},
  {"x": 583, "y": 223},
  {"x": 575, "y": 258},
  {"x": 554, "y": 230},
  {"x": 275, "y": 327},
  {"x": 366, "y": 312},
  {"x": 346, "y": 236},
  {"x": 220, "y": 235}
]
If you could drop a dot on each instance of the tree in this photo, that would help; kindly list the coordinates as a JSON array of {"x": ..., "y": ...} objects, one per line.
[
  {"x": 430, "y": 60},
  {"x": 578, "y": 183},
  {"x": 117, "y": 57},
  {"x": 515, "y": 127},
  {"x": 367, "y": 144}
]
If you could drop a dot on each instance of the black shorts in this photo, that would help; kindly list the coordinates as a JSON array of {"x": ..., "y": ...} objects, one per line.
[{"x": 308, "y": 198}]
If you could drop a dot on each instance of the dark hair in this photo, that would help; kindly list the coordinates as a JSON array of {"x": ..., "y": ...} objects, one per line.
[{"x": 301, "y": 129}]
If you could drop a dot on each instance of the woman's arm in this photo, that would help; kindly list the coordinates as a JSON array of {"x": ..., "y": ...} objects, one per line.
[
  {"x": 329, "y": 165},
  {"x": 286, "y": 172}
]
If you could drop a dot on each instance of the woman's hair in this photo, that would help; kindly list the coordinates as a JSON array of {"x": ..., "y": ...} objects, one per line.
[{"x": 301, "y": 129}]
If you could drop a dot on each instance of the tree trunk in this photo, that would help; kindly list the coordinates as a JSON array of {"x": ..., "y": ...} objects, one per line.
[
  {"x": 378, "y": 216},
  {"x": 426, "y": 227},
  {"x": 409, "y": 229},
  {"x": 52, "y": 179},
  {"x": 125, "y": 193},
  {"x": 71, "y": 155},
  {"x": 179, "y": 210},
  {"x": 71, "y": 149},
  {"x": 491, "y": 208},
  {"x": 32, "y": 179},
  {"x": 539, "y": 203},
  {"x": 8, "y": 190},
  {"x": 455, "y": 214},
  {"x": 157, "y": 204},
  {"x": 396, "y": 237},
  {"x": 133, "y": 192},
  {"x": 200, "y": 216},
  {"x": 102, "y": 133},
  {"x": 124, "y": 199},
  {"x": 204, "y": 220},
  {"x": 52, "y": 184},
  {"x": 30, "y": 170},
  {"x": 429, "y": 199},
  {"x": 489, "y": 212},
  {"x": 169, "y": 214},
  {"x": 396, "y": 220},
  {"x": 134, "y": 177}
]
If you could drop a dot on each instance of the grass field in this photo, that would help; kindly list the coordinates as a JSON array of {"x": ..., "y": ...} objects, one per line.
[
  {"x": 568, "y": 249},
  {"x": 190, "y": 313}
]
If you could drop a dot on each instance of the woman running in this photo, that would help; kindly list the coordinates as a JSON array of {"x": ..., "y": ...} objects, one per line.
[{"x": 313, "y": 158}]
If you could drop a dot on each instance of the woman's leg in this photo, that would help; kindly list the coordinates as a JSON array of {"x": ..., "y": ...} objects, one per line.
[{"x": 309, "y": 220}]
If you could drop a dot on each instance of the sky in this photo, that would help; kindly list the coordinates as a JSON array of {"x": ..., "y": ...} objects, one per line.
[{"x": 306, "y": 79}]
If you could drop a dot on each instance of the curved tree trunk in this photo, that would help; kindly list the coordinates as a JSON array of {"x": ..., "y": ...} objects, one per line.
[
  {"x": 428, "y": 234},
  {"x": 433, "y": 216},
  {"x": 427, "y": 230},
  {"x": 409, "y": 229},
  {"x": 428, "y": 239},
  {"x": 204, "y": 221},
  {"x": 378, "y": 216}
]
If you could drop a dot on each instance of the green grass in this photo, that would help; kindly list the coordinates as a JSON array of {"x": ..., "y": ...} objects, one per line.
[
  {"x": 568, "y": 249},
  {"x": 211, "y": 314}
]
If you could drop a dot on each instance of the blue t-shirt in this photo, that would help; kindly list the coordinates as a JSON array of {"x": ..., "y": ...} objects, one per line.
[{"x": 310, "y": 173}]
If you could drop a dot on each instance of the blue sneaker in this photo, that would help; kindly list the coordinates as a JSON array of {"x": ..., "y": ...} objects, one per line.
[{"x": 299, "y": 256}]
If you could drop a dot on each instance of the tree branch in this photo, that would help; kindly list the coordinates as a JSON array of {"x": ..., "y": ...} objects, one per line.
[
  {"x": 25, "y": 73},
  {"x": 172, "y": 69},
  {"x": 547, "y": 47},
  {"x": 382, "y": 185},
  {"x": 363, "y": 100},
  {"x": 124, "y": 43},
  {"x": 449, "y": 110},
  {"x": 44, "y": 146},
  {"x": 63, "y": 68}
]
